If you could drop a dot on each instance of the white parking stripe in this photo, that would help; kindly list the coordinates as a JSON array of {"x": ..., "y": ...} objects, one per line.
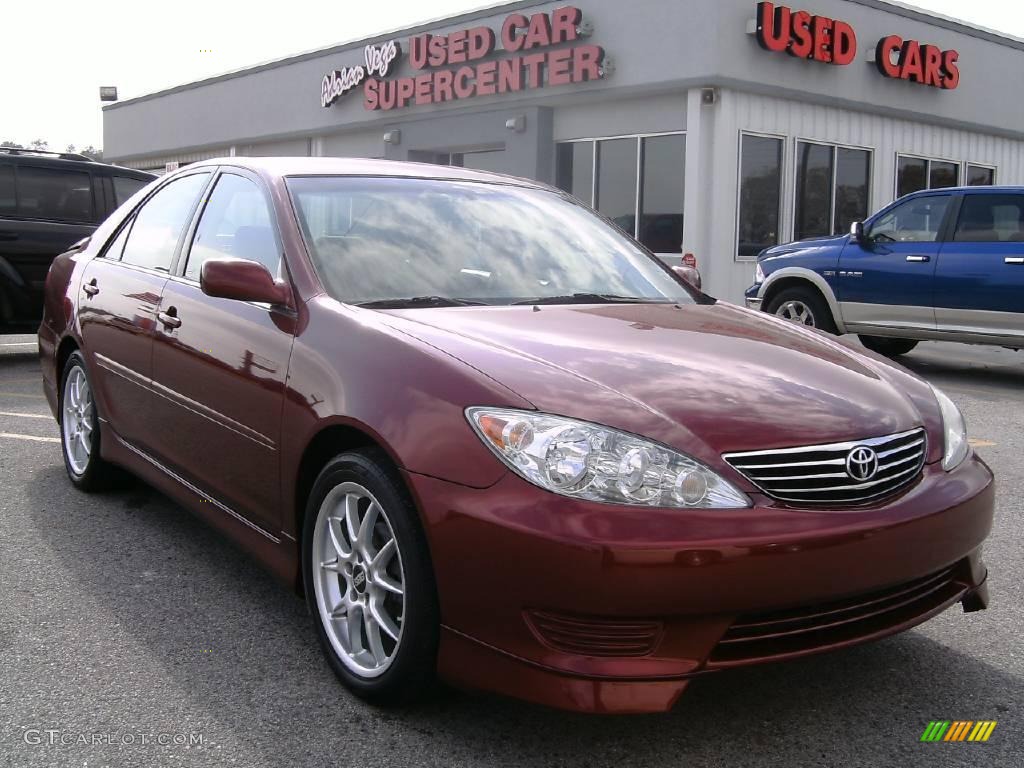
[
  {"x": 30, "y": 437},
  {"x": 20, "y": 344},
  {"x": 26, "y": 415}
]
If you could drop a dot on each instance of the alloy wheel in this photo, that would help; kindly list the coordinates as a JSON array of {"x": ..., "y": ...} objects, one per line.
[
  {"x": 77, "y": 420},
  {"x": 358, "y": 579},
  {"x": 797, "y": 312}
]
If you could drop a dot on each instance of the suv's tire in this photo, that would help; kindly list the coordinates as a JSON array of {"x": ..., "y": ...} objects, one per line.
[
  {"x": 389, "y": 656},
  {"x": 80, "y": 431},
  {"x": 804, "y": 306},
  {"x": 888, "y": 346}
]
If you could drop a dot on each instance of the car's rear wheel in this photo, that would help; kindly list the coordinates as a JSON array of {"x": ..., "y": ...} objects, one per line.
[
  {"x": 804, "y": 306},
  {"x": 80, "y": 433},
  {"x": 368, "y": 580},
  {"x": 886, "y": 346}
]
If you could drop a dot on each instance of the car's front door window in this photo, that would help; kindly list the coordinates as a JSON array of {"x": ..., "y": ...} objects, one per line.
[
  {"x": 158, "y": 225},
  {"x": 915, "y": 221},
  {"x": 235, "y": 223}
]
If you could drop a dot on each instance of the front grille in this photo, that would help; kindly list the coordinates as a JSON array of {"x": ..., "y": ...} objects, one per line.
[
  {"x": 822, "y": 474},
  {"x": 777, "y": 634},
  {"x": 595, "y": 636}
]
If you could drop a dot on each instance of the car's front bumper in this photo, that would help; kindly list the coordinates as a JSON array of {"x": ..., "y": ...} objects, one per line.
[
  {"x": 529, "y": 581},
  {"x": 752, "y": 296}
]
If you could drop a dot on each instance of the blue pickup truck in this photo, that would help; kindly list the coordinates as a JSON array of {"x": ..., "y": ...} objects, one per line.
[{"x": 942, "y": 264}]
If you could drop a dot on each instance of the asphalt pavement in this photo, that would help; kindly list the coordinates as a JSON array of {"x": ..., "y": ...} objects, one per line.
[{"x": 131, "y": 634}]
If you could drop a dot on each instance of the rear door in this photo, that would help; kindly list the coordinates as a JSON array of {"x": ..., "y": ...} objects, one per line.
[
  {"x": 887, "y": 280},
  {"x": 219, "y": 366},
  {"x": 43, "y": 211},
  {"x": 979, "y": 279},
  {"x": 119, "y": 304}
]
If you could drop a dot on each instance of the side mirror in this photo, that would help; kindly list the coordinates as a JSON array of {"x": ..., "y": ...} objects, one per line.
[
  {"x": 242, "y": 280},
  {"x": 688, "y": 274},
  {"x": 857, "y": 231}
]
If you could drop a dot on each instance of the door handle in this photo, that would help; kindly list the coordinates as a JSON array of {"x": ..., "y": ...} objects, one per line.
[
  {"x": 918, "y": 259},
  {"x": 169, "y": 318},
  {"x": 91, "y": 288},
  {"x": 1014, "y": 260}
]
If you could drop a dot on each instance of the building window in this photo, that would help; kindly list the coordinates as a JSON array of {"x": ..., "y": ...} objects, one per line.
[
  {"x": 980, "y": 175},
  {"x": 639, "y": 183},
  {"x": 916, "y": 173},
  {"x": 831, "y": 188},
  {"x": 760, "y": 193}
]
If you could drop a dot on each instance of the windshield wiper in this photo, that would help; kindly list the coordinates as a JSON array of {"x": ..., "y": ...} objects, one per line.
[
  {"x": 418, "y": 301},
  {"x": 590, "y": 298}
]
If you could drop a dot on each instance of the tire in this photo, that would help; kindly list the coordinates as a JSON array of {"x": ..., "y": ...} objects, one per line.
[
  {"x": 804, "y": 306},
  {"x": 395, "y": 661},
  {"x": 887, "y": 346},
  {"x": 81, "y": 435}
]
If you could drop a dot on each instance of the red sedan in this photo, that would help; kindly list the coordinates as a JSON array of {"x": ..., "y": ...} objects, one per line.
[{"x": 491, "y": 438}]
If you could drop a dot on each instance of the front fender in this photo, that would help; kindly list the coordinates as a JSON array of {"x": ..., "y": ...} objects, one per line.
[{"x": 810, "y": 276}]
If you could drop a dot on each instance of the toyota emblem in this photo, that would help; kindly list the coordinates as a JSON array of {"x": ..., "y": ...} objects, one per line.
[{"x": 861, "y": 463}]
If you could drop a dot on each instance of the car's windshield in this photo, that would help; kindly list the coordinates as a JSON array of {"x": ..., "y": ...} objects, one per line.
[{"x": 437, "y": 243}]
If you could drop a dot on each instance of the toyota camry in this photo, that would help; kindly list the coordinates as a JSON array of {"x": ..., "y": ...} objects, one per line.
[{"x": 492, "y": 440}]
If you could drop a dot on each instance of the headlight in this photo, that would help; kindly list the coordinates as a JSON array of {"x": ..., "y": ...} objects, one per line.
[
  {"x": 758, "y": 274},
  {"x": 587, "y": 461},
  {"x": 954, "y": 432}
]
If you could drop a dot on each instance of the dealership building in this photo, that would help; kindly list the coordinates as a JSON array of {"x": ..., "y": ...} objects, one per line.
[{"x": 711, "y": 127}]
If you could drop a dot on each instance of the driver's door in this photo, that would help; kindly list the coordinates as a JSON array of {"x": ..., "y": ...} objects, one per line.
[{"x": 887, "y": 278}]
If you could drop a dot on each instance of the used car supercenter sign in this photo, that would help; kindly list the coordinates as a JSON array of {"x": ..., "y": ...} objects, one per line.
[
  {"x": 831, "y": 41},
  {"x": 456, "y": 65}
]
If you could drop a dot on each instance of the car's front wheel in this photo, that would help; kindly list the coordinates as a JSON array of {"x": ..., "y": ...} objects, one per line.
[
  {"x": 804, "y": 306},
  {"x": 80, "y": 429},
  {"x": 887, "y": 346},
  {"x": 369, "y": 581}
]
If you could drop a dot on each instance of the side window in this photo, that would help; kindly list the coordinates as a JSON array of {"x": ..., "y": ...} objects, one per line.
[
  {"x": 49, "y": 193},
  {"x": 8, "y": 200},
  {"x": 116, "y": 247},
  {"x": 159, "y": 223},
  {"x": 125, "y": 187},
  {"x": 235, "y": 224},
  {"x": 991, "y": 219},
  {"x": 915, "y": 221}
]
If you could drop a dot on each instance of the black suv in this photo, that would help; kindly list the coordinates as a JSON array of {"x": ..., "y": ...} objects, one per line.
[{"x": 48, "y": 202}]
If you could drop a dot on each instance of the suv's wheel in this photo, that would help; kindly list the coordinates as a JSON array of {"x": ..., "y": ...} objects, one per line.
[
  {"x": 80, "y": 434},
  {"x": 368, "y": 579},
  {"x": 804, "y": 306},
  {"x": 887, "y": 346}
]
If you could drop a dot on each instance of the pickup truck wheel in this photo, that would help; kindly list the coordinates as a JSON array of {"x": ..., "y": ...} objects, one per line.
[
  {"x": 886, "y": 346},
  {"x": 804, "y": 306}
]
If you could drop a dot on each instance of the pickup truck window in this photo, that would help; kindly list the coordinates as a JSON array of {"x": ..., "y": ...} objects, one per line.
[
  {"x": 915, "y": 221},
  {"x": 991, "y": 219}
]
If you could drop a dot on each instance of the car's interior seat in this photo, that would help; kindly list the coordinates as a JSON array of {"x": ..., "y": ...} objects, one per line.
[{"x": 979, "y": 228}]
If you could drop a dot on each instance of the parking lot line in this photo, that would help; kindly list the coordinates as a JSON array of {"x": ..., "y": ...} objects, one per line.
[
  {"x": 21, "y": 394},
  {"x": 26, "y": 415},
  {"x": 37, "y": 438},
  {"x": 19, "y": 344}
]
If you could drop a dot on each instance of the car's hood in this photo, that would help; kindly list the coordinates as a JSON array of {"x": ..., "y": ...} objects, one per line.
[
  {"x": 719, "y": 375},
  {"x": 808, "y": 244}
]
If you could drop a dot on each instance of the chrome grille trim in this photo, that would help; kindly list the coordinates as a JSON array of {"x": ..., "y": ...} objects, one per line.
[{"x": 823, "y": 480}]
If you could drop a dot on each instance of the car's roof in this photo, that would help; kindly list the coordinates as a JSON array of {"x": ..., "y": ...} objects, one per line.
[
  {"x": 984, "y": 189},
  {"x": 352, "y": 166},
  {"x": 52, "y": 160}
]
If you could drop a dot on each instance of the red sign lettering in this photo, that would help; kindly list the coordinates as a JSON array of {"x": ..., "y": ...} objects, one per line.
[
  {"x": 917, "y": 63},
  {"x": 805, "y": 36}
]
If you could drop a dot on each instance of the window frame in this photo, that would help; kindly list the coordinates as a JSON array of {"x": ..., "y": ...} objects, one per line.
[
  {"x": 594, "y": 168},
  {"x": 177, "y": 272},
  {"x": 836, "y": 146},
  {"x": 927, "y": 172},
  {"x": 131, "y": 216},
  {"x": 969, "y": 164},
  {"x": 783, "y": 164}
]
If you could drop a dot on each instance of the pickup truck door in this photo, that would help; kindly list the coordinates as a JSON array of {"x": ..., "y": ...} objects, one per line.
[
  {"x": 979, "y": 278},
  {"x": 887, "y": 279}
]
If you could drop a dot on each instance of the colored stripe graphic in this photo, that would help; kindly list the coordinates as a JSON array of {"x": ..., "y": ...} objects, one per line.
[{"x": 958, "y": 730}]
